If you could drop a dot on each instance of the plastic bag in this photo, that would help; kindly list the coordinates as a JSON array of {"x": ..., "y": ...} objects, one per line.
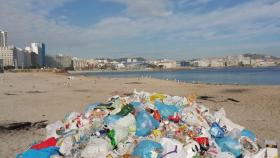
[
  {"x": 172, "y": 148},
  {"x": 165, "y": 110},
  {"x": 157, "y": 96},
  {"x": 192, "y": 148},
  {"x": 111, "y": 119},
  {"x": 248, "y": 146},
  {"x": 221, "y": 118},
  {"x": 96, "y": 146},
  {"x": 126, "y": 110},
  {"x": 43, "y": 153},
  {"x": 120, "y": 134},
  {"x": 192, "y": 119},
  {"x": 148, "y": 149},
  {"x": 66, "y": 146},
  {"x": 249, "y": 134},
  {"x": 51, "y": 129},
  {"x": 234, "y": 134},
  {"x": 228, "y": 144},
  {"x": 91, "y": 107},
  {"x": 125, "y": 122},
  {"x": 145, "y": 123},
  {"x": 216, "y": 131}
]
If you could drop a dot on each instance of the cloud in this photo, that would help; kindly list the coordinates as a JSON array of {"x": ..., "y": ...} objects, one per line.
[
  {"x": 140, "y": 8},
  {"x": 143, "y": 21},
  {"x": 193, "y": 2}
]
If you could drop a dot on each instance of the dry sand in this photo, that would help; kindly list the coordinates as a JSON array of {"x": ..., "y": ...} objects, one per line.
[{"x": 47, "y": 96}]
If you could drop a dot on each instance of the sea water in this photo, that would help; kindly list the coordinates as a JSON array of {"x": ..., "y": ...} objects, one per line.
[{"x": 250, "y": 76}]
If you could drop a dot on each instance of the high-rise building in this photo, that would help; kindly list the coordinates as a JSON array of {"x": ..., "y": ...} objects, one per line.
[
  {"x": 39, "y": 50},
  {"x": 7, "y": 54},
  {"x": 3, "y": 39},
  {"x": 23, "y": 58},
  {"x": 59, "y": 61}
]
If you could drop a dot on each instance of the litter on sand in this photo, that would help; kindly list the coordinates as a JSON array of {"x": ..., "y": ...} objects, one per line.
[{"x": 148, "y": 125}]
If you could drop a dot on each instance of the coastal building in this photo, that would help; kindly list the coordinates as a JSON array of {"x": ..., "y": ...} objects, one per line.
[
  {"x": 244, "y": 60},
  {"x": 202, "y": 62},
  {"x": 7, "y": 54},
  {"x": 167, "y": 64},
  {"x": 79, "y": 64},
  {"x": 59, "y": 61},
  {"x": 39, "y": 50},
  {"x": 185, "y": 63},
  {"x": 3, "y": 39},
  {"x": 262, "y": 63},
  {"x": 128, "y": 60},
  {"x": 104, "y": 61},
  {"x": 232, "y": 61},
  {"x": 22, "y": 58},
  {"x": 92, "y": 63},
  {"x": 217, "y": 62}
]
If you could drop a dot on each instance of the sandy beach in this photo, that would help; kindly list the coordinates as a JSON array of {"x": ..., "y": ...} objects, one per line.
[{"x": 48, "y": 96}]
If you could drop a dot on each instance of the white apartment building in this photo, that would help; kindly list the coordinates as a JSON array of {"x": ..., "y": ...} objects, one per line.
[
  {"x": 232, "y": 61},
  {"x": 79, "y": 64},
  {"x": 217, "y": 62},
  {"x": 7, "y": 54},
  {"x": 244, "y": 60}
]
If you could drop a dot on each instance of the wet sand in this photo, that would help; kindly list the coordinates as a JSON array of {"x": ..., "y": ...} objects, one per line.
[{"x": 48, "y": 96}]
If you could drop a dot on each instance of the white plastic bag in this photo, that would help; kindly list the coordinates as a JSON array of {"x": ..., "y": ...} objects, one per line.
[
  {"x": 66, "y": 146},
  {"x": 224, "y": 121},
  {"x": 97, "y": 147},
  {"x": 51, "y": 129},
  {"x": 170, "y": 145}
]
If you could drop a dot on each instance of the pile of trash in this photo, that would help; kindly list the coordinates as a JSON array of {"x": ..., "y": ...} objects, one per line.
[{"x": 145, "y": 125}]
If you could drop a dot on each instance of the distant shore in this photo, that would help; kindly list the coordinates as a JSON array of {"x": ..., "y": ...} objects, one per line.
[{"x": 166, "y": 69}]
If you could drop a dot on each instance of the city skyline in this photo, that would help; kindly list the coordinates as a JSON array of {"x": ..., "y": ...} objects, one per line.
[{"x": 157, "y": 28}]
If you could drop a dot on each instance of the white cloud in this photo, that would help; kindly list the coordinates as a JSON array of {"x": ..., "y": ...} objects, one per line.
[
  {"x": 27, "y": 21},
  {"x": 193, "y": 2},
  {"x": 158, "y": 8}
]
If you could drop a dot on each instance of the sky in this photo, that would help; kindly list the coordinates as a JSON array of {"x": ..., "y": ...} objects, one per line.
[{"x": 175, "y": 29}]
